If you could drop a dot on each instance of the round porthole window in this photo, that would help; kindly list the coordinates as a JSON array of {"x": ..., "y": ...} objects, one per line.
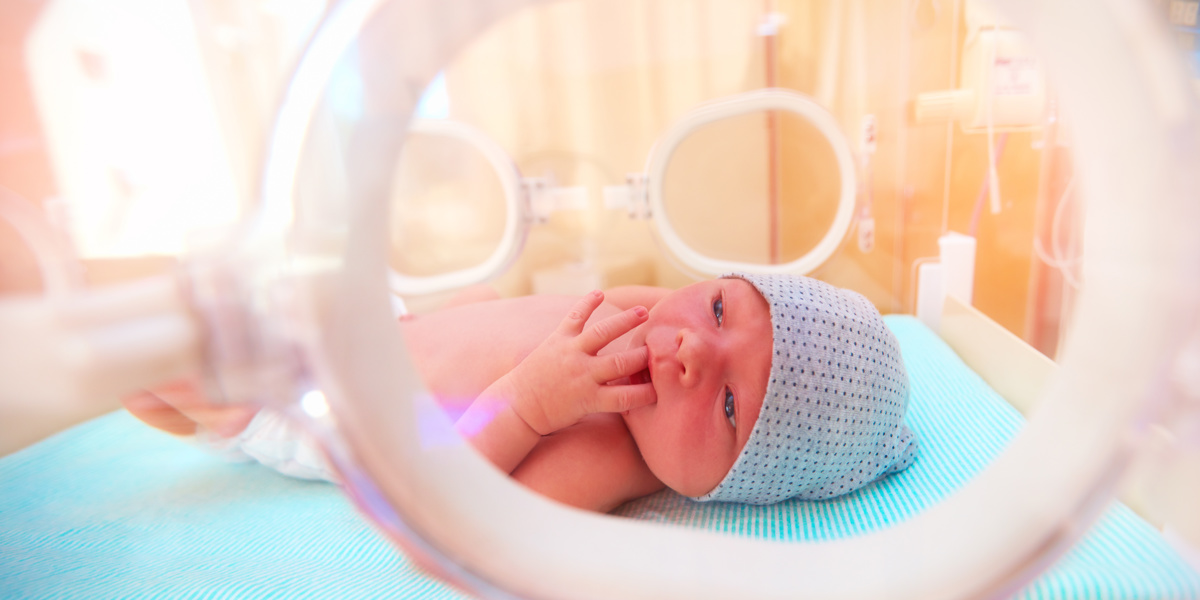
[
  {"x": 686, "y": 210},
  {"x": 457, "y": 217}
]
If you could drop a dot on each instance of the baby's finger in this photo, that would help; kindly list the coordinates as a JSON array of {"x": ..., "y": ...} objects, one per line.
[
  {"x": 577, "y": 317},
  {"x": 621, "y": 364},
  {"x": 620, "y": 398},
  {"x": 604, "y": 332}
]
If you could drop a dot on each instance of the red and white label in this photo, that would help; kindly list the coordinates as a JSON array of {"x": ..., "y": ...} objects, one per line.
[{"x": 1016, "y": 76}]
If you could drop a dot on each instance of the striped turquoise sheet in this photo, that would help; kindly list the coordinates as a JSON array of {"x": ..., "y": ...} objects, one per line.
[{"x": 115, "y": 509}]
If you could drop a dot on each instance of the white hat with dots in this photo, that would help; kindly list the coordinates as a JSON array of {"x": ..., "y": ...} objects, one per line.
[{"x": 832, "y": 420}]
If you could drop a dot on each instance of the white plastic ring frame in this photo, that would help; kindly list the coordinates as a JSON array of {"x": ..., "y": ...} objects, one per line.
[
  {"x": 515, "y": 225},
  {"x": 1136, "y": 133},
  {"x": 752, "y": 102}
]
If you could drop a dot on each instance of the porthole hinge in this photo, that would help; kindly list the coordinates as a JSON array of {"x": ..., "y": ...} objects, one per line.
[{"x": 632, "y": 197}]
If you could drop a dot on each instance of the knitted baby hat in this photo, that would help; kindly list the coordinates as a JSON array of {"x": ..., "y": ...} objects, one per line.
[{"x": 832, "y": 420}]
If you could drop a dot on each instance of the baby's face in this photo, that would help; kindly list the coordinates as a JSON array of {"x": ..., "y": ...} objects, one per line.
[{"x": 710, "y": 357}]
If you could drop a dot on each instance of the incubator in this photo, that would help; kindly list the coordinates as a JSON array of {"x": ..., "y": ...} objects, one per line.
[{"x": 1018, "y": 177}]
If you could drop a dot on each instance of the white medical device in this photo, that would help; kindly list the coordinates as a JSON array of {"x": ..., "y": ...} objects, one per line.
[{"x": 291, "y": 311}]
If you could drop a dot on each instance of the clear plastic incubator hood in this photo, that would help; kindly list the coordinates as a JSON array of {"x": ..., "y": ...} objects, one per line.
[{"x": 1020, "y": 179}]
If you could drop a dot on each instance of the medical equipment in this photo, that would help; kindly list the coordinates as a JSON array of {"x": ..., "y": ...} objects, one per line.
[
  {"x": 297, "y": 301},
  {"x": 1002, "y": 81}
]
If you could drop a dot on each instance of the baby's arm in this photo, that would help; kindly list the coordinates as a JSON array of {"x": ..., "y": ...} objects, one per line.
[
  {"x": 593, "y": 464},
  {"x": 558, "y": 384}
]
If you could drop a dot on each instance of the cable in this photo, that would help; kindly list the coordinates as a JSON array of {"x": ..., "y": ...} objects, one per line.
[
  {"x": 950, "y": 125},
  {"x": 993, "y": 179},
  {"x": 1057, "y": 260},
  {"x": 984, "y": 187}
]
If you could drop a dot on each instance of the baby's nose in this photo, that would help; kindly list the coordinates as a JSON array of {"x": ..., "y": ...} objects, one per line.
[{"x": 693, "y": 355}]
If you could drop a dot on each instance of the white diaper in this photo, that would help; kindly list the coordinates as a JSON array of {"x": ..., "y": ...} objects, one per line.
[{"x": 275, "y": 441}]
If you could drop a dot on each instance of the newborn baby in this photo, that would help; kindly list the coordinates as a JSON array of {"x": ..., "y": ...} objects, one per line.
[{"x": 748, "y": 388}]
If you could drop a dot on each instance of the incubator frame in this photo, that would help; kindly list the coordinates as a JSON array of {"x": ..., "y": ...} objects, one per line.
[
  {"x": 402, "y": 461},
  {"x": 1134, "y": 143}
]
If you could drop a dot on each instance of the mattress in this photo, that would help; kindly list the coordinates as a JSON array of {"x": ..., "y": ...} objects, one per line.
[{"x": 112, "y": 508}]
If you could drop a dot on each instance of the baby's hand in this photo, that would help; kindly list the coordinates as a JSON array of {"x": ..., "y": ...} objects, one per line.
[{"x": 563, "y": 379}]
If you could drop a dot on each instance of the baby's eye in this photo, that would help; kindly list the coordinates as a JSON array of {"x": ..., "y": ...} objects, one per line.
[
  {"x": 719, "y": 310},
  {"x": 730, "y": 412}
]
